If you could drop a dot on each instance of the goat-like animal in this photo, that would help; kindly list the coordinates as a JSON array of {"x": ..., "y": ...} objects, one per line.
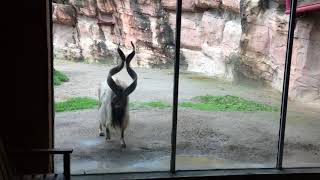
[{"x": 113, "y": 99}]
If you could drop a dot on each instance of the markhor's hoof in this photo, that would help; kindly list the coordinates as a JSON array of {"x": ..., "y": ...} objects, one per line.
[
  {"x": 101, "y": 134},
  {"x": 123, "y": 146}
]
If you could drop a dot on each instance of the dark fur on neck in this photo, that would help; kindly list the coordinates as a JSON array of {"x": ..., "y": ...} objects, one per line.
[{"x": 118, "y": 109}]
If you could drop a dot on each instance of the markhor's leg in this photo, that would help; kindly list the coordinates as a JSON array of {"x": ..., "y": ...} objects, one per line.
[
  {"x": 108, "y": 137},
  {"x": 101, "y": 133},
  {"x": 123, "y": 144}
]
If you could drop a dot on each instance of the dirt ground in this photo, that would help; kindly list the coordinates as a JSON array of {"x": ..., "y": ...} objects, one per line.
[
  {"x": 205, "y": 139},
  {"x": 153, "y": 84}
]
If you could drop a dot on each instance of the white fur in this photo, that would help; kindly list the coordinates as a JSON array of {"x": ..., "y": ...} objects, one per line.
[{"x": 104, "y": 110}]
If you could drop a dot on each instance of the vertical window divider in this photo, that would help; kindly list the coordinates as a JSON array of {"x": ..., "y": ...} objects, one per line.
[
  {"x": 175, "y": 88},
  {"x": 286, "y": 79},
  {"x": 51, "y": 110}
]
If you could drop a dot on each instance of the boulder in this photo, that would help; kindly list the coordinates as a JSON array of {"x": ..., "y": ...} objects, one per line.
[
  {"x": 213, "y": 26},
  {"x": 106, "y": 7},
  {"x": 233, "y": 5},
  {"x": 65, "y": 45},
  {"x": 63, "y": 14},
  {"x": 258, "y": 37},
  {"x": 231, "y": 37},
  {"x": 85, "y": 7},
  {"x": 207, "y": 4},
  {"x": 187, "y": 5}
]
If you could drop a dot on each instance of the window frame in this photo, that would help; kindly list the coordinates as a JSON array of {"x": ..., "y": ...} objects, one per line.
[{"x": 173, "y": 173}]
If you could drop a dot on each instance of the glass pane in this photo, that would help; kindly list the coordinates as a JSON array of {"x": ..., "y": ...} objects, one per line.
[
  {"x": 302, "y": 140},
  {"x": 230, "y": 85},
  {"x": 86, "y": 34}
]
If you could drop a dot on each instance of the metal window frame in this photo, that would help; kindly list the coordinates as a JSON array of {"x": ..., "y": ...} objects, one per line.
[
  {"x": 173, "y": 173},
  {"x": 286, "y": 81},
  {"x": 230, "y": 174},
  {"x": 51, "y": 93},
  {"x": 176, "y": 88}
]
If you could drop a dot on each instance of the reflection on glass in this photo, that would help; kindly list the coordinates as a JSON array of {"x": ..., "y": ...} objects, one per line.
[{"x": 86, "y": 34}]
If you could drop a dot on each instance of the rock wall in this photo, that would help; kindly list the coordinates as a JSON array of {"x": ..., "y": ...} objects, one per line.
[
  {"x": 263, "y": 48},
  {"x": 221, "y": 38},
  {"x": 91, "y": 29},
  {"x": 209, "y": 33}
]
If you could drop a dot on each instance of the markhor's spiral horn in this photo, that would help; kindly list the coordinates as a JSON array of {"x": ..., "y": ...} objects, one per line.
[
  {"x": 115, "y": 88},
  {"x": 113, "y": 85},
  {"x": 131, "y": 72}
]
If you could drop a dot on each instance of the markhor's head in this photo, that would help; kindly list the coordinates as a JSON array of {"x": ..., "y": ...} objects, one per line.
[
  {"x": 119, "y": 105},
  {"x": 119, "y": 102},
  {"x": 120, "y": 92}
]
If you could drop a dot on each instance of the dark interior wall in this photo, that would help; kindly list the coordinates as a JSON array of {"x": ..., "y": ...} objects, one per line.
[{"x": 31, "y": 128}]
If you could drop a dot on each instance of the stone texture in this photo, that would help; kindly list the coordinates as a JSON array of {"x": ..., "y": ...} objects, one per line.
[
  {"x": 106, "y": 6},
  {"x": 231, "y": 4},
  {"x": 85, "y": 7},
  {"x": 187, "y": 5},
  {"x": 191, "y": 5},
  {"x": 191, "y": 31},
  {"x": 91, "y": 39},
  {"x": 207, "y": 4},
  {"x": 65, "y": 46},
  {"x": 231, "y": 37},
  {"x": 209, "y": 62},
  {"x": 264, "y": 46},
  {"x": 63, "y": 14},
  {"x": 212, "y": 36},
  {"x": 259, "y": 39},
  {"x": 305, "y": 64}
]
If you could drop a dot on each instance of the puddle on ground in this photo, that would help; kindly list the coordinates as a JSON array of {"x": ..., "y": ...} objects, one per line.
[
  {"x": 91, "y": 141},
  {"x": 199, "y": 162},
  {"x": 185, "y": 162},
  {"x": 182, "y": 163}
]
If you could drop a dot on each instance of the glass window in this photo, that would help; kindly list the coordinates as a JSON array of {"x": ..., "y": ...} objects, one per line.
[
  {"x": 86, "y": 37},
  {"x": 232, "y": 65},
  {"x": 302, "y": 143},
  {"x": 230, "y": 87}
]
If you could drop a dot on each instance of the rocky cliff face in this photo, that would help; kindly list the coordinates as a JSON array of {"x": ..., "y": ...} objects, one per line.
[
  {"x": 222, "y": 38},
  {"x": 263, "y": 48},
  {"x": 91, "y": 29}
]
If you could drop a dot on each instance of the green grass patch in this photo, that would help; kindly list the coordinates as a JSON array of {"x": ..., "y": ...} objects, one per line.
[
  {"x": 80, "y": 103},
  {"x": 59, "y": 78},
  {"x": 151, "y": 104},
  {"x": 207, "y": 103},
  {"x": 76, "y": 103},
  {"x": 226, "y": 103}
]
